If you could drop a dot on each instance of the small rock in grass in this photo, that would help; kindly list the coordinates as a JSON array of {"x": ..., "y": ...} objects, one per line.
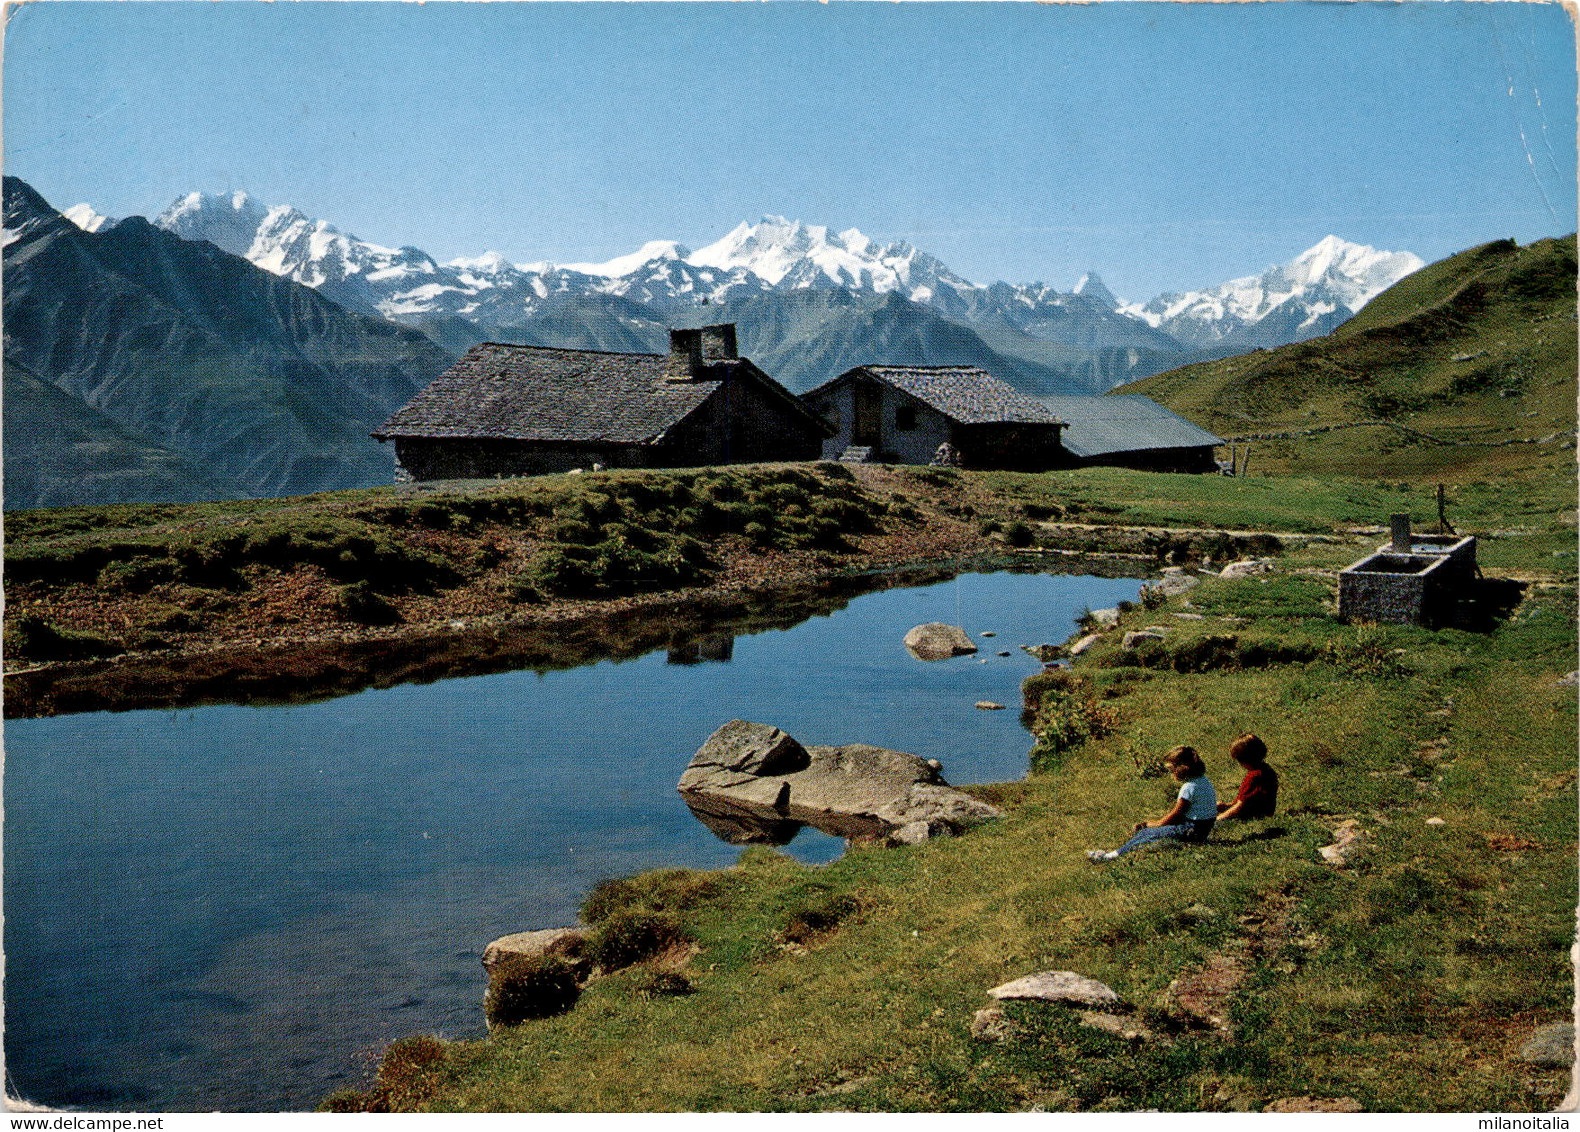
[
  {"x": 1551, "y": 1045},
  {"x": 1107, "y": 617},
  {"x": 1571, "y": 680},
  {"x": 1139, "y": 637},
  {"x": 1245, "y": 568},
  {"x": 989, "y": 705},
  {"x": 1083, "y": 644},
  {"x": 1435, "y": 821},
  {"x": 1314, "y": 1104},
  {"x": 1347, "y": 843},
  {"x": 1067, "y": 987},
  {"x": 991, "y": 1024}
]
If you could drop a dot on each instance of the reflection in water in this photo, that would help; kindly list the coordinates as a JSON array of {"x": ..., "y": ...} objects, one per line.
[
  {"x": 718, "y": 648},
  {"x": 278, "y": 892}
]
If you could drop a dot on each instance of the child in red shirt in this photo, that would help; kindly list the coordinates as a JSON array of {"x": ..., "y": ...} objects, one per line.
[{"x": 1258, "y": 796}]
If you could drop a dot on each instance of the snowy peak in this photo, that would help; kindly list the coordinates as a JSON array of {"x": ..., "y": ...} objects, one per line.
[
  {"x": 1321, "y": 286},
  {"x": 226, "y": 220},
  {"x": 789, "y": 255},
  {"x": 1091, "y": 285},
  {"x": 84, "y": 217},
  {"x": 653, "y": 250}
]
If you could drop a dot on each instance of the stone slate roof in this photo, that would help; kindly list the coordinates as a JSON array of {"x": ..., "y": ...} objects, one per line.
[
  {"x": 965, "y": 394},
  {"x": 506, "y": 392},
  {"x": 1124, "y": 423}
]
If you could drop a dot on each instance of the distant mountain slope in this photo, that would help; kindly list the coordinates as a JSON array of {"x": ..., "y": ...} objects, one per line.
[
  {"x": 1469, "y": 364},
  {"x": 58, "y": 451},
  {"x": 804, "y": 338},
  {"x": 262, "y": 384}
]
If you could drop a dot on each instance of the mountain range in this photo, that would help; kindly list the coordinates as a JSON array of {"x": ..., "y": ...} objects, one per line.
[
  {"x": 230, "y": 348},
  {"x": 1083, "y": 338}
]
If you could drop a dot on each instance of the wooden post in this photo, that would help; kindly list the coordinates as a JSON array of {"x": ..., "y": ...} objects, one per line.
[
  {"x": 1245, "y": 461},
  {"x": 1442, "y": 513}
]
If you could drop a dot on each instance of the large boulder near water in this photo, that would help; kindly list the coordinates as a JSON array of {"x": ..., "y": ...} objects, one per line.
[
  {"x": 937, "y": 641},
  {"x": 751, "y": 782},
  {"x": 565, "y": 942}
]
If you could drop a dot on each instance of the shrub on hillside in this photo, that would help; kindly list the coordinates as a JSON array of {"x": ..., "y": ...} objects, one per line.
[
  {"x": 357, "y": 602},
  {"x": 1018, "y": 534},
  {"x": 32, "y": 638},
  {"x": 627, "y": 938},
  {"x": 663, "y": 890},
  {"x": 662, "y": 984},
  {"x": 820, "y": 916},
  {"x": 524, "y": 987}
]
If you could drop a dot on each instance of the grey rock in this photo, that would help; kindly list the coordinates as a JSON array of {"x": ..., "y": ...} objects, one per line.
[
  {"x": 567, "y": 942},
  {"x": 1570, "y": 680},
  {"x": 1176, "y": 581},
  {"x": 1105, "y": 617},
  {"x": 1551, "y": 1045},
  {"x": 991, "y": 1024},
  {"x": 989, "y": 705},
  {"x": 1065, "y": 987},
  {"x": 856, "y": 791},
  {"x": 1084, "y": 643},
  {"x": 1140, "y": 637},
  {"x": 937, "y": 641},
  {"x": 1004, "y": 652},
  {"x": 1043, "y": 653},
  {"x": 1246, "y": 567},
  {"x": 1314, "y": 1104},
  {"x": 1349, "y": 839}
]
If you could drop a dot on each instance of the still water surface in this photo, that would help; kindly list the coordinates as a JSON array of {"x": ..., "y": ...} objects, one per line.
[{"x": 237, "y": 907}]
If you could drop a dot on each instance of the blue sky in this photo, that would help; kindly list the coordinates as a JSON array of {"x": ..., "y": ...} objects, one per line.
[{"x": 1165, "y": 145}]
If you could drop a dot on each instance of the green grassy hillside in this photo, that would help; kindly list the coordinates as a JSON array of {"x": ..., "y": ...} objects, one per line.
[{"x": 1463, "y": 371}]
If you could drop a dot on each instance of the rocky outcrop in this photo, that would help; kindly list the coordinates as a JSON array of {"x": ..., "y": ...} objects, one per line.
[
  {"x": 752, "y": 782},
  {"x": 937, "y": 641},
  {"x": 565, "y": 942}
]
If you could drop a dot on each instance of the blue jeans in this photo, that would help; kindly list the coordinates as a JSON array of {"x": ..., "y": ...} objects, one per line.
[{"x": 1184, "y": 831}]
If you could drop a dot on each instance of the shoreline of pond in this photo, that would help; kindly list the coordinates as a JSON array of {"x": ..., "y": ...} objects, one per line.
[{"x": 560, "y": 634}]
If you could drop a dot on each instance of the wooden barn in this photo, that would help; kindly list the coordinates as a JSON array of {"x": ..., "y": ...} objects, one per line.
[
  {"x": 507, "y": 410},
  {"x": 904, "y": 414},
  {"x": 1131, "y": 431}
]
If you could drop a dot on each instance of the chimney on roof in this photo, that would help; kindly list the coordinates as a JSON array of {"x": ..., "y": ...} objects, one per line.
[{"x": 693, "y": 350}]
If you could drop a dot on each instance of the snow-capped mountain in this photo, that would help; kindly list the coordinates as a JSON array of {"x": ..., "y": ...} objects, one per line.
[
  {"x": 83, "y": 216},
  {"x": 1304, "y": 298}
]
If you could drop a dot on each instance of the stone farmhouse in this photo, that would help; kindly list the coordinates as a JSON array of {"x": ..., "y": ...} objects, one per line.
[
  {"x": 527, "y": 410},
  {"x": 903, "y": 414}
]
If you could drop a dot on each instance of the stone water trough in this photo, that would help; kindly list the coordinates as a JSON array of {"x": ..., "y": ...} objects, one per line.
[
  {"x": 1412, "y": 580},
  {"x": 753, "y": 783}
]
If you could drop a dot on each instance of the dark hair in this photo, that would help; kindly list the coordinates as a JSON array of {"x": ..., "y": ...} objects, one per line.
[
  {"x": 1188, "y": 758},
  {"x": 1248, "y": 750}
]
